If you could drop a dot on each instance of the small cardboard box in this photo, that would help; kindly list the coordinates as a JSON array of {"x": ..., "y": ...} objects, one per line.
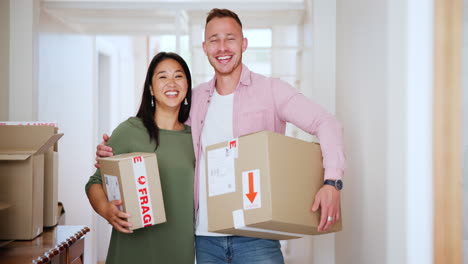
[
  {"x": 33, "y": 133},
  {"x": 263, "y": 185},
  {"x": 22, "y": 182},
  {"x": 134, "y": 179}
]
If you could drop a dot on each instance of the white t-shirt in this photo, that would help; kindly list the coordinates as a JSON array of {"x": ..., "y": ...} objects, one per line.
[{"x": 217, "y": 128}]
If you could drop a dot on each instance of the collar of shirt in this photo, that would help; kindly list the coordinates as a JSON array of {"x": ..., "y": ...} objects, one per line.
[{"x": 245, "y": 80}]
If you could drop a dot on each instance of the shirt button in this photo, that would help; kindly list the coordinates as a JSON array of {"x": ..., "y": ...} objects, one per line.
[{"x": 201, "y": 122}]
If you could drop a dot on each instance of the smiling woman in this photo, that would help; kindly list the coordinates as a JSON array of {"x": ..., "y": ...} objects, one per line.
[{"x": 158, "y": 127}]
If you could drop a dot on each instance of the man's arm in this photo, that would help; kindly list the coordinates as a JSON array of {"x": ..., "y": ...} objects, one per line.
[
  {"x": 297, "y": 109},
  {"x": 102, "y": 150}
]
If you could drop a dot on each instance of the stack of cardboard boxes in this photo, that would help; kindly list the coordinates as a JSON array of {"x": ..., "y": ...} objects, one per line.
[{"x": 28, "y": 179}]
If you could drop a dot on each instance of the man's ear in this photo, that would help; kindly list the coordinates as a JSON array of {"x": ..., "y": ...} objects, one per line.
[
  {"x": 204, "y": 47},
  {"x": 245, "y": 43}
]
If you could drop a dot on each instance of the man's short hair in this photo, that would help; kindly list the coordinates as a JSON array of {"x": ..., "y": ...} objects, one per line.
[{"x": 220, "y": 13}]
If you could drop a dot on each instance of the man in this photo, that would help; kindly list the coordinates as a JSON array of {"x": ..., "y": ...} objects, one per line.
[{"x": 237, "y": 102}]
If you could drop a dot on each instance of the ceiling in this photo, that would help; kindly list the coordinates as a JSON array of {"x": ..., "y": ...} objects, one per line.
[{"x": 163, "y": 16}]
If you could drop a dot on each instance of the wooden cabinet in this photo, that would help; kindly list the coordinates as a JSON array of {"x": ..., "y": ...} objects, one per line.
[{"x": 62, "y": 244}]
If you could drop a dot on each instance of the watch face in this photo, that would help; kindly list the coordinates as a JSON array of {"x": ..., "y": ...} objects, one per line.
[{"x": 339, "y": 184}]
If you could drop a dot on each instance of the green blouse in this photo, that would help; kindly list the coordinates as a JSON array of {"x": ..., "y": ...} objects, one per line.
[{"x": 173, "y": 241}]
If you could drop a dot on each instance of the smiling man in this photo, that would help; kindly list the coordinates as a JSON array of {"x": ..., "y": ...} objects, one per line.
[{"x": 237, "y": 102}]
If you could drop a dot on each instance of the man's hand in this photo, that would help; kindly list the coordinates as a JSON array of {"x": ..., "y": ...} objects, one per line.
[
  {"x": 102, "y": 150},
  {"x": 328, "y": 199},
  {"x": 116, "y": 218}
]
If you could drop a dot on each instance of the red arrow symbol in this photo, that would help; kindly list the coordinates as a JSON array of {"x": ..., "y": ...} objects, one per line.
[{"x": 251, "y": 195}]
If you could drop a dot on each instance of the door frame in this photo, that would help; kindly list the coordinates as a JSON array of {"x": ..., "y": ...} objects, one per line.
[{"x": 448, "y": 223}]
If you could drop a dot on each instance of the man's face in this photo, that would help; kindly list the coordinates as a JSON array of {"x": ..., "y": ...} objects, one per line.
[{"x": 224, "y": 45}]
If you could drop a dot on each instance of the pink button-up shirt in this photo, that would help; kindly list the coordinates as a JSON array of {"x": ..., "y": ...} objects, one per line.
[{"x": 264, "y": 103}]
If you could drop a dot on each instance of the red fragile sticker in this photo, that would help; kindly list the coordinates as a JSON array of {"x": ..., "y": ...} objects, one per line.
[
  {"x": 233, "y": 147},
  {"x": 144, "y": 197}
]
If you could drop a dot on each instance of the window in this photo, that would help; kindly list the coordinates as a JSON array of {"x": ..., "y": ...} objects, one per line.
[
  {"x": 258, "y": 53},
  {"x": 167, "y": 43}
]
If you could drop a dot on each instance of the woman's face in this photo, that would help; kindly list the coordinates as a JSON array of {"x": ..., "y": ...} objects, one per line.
[{"x": 169, "y": 84}]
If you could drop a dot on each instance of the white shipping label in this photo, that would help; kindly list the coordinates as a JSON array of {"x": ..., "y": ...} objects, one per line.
[
  {"x": 143, "y": 192},
  {"x": 234, "y": 147},
  {"x": 251, "y": 190},
  {"x": 113, "y": 188},
  {"x": 221, "y": 172}
]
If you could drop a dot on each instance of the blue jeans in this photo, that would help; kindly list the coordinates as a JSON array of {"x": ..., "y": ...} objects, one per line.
[{"x": 237, "y": 250}]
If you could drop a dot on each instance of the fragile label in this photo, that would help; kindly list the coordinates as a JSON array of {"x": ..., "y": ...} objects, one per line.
[
  {"x": 221, "y": 172},
  {"x": 144, "y": 197},
  {"x": 251, "y": 190},
  {"x": 112, "y": 188}
]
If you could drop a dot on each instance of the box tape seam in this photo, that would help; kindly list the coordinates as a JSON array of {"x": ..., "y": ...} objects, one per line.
[{"x": 239, "y": 223}]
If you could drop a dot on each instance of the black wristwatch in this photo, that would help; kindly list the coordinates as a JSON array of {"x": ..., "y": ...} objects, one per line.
[{"x": 338, "y": 184}]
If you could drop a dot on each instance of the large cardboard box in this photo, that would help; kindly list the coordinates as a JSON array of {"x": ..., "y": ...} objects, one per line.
[
  {"x": 263, "y": 185},
  {"x": 134, "y": 179},
  {"x": 22, "y": 182},
  {"x": 32, "y": 134}
]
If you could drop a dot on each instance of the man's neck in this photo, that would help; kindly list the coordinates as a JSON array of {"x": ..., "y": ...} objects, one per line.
[{"x": 227, "y": 83}]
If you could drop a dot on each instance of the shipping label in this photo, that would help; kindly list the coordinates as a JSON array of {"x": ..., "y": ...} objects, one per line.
[
  {"x": 251, "y": 191},
  {"x": 113, "y": 188},
  {"x": 221, "y": 172}
]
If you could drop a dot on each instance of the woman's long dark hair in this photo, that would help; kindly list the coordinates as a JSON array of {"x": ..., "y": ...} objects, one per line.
[{"x": 146, "y": 111}]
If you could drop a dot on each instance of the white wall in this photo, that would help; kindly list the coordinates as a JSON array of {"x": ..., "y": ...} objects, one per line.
[
  {"x": 66, "y": 83},
  {"x": 141, "y": 63},
  {"x": 396, "y": 154},
  {"x": 4, "y": 58},
  {"x": 384, "y": 88},
  {"x": 362, "y": 106},
  {"x": 24, "y": 21},
  {"x": 121, "y": 50}
]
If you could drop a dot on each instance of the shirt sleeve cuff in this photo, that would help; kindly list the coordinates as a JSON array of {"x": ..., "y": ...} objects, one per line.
[{"x": 333, "y": 174}]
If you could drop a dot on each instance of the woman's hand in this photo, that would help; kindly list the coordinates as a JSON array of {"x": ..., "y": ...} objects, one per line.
[{"x": 115, "y": 217}]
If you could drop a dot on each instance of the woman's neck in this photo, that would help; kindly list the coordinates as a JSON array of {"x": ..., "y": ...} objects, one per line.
[{"x": 168, "y": 119}]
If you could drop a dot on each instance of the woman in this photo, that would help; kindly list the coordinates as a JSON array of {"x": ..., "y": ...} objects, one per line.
[{"x": 158, "y": 127}]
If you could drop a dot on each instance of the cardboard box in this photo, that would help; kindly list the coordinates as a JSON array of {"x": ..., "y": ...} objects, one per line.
[
  {"x": 33, "y": 133},
  {"x": 263, "y": 185},
  {"x": 134, "y": 179},
  {"x": 22, "y": 181}
]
